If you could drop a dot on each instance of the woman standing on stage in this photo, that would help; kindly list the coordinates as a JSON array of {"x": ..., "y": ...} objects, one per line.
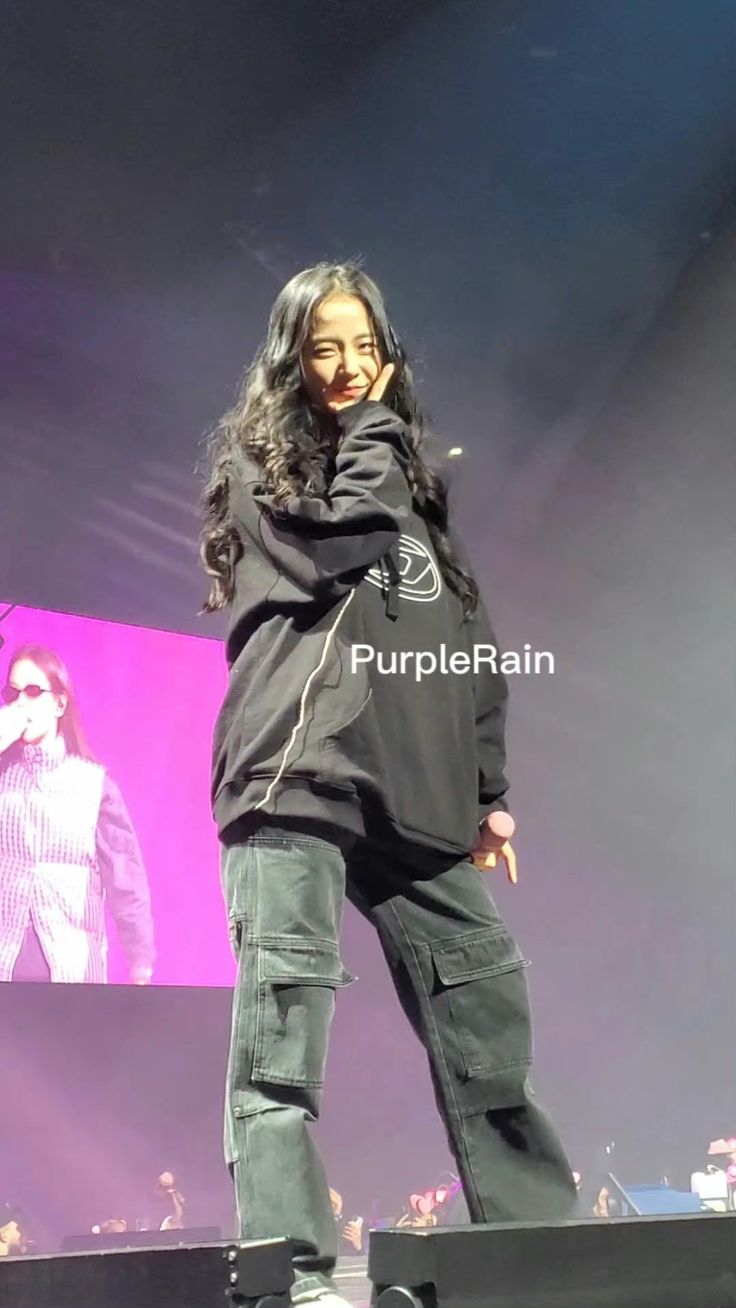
[
  {"x": 326, "y": 536},
  {"x": 67, "y": 845}
]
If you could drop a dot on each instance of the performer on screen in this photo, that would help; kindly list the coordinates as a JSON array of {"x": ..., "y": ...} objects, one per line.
[
  {"x": 326, "y": 535},
  {"x": 67, "y": 845}
]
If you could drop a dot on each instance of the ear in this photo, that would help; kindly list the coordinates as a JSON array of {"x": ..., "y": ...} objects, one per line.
[{"x": 62, "y": 702}]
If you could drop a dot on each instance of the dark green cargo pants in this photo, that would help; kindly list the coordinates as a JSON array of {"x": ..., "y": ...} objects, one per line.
[{"x": 461, "y": 981}]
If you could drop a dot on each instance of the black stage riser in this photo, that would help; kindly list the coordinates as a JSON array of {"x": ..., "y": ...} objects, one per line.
[
  {"x": 257, "y": 1274},
  {"x": 670, "y": 1262}
]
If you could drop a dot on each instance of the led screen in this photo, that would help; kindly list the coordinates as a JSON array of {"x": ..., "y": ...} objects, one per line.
[{"x": 109, "y": 859}]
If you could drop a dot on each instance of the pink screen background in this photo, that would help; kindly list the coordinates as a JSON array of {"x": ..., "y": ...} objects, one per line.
[{"x": 148, "y": 700}]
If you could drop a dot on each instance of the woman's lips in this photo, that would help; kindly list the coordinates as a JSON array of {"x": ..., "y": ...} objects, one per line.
[{"x": 351, "y": 394}]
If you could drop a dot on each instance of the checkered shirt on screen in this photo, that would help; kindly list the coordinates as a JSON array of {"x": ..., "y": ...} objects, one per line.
[{"x": 49, "y": 874}]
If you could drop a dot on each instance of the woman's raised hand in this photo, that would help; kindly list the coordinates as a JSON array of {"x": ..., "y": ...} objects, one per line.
[{"x": 380, "y": 385}]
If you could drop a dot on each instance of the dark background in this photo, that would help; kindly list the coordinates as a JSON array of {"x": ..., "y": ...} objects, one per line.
[{"x": 545, "y": 191}]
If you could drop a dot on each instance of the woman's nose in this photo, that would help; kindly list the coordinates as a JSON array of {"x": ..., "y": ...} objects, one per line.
[{"x": 350, "y": 365}]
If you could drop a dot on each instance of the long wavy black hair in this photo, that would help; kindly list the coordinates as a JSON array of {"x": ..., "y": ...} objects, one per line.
[{"x": 294, "y": 443}]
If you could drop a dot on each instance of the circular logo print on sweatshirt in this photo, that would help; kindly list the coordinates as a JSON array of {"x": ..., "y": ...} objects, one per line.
[{"x": 420, "y": 577}]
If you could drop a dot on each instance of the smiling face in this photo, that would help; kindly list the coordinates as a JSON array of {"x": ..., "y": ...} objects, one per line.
[
  {"x": 341, "y": 357},
  {"x": 42, "y": 711}
]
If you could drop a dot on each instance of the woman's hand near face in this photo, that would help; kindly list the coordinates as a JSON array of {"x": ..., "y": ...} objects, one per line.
[{"x": 381, "y": 384}]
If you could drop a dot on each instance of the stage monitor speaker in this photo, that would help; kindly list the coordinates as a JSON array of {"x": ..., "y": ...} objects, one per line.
[
  {"x": 648, "y": 1262},
  {"x": 248, "y": 1274}
]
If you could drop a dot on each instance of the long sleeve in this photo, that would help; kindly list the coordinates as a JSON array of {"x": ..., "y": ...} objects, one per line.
[
  {"x": 124, "y": 878},
  {"x": 491, "y": 698},
  {"x": 319, "y": 544}
]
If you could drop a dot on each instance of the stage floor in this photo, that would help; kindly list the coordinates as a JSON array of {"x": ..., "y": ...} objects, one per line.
[{"x": 352, "y": 1281}]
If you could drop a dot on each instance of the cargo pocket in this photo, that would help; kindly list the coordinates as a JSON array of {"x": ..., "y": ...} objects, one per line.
[
  {"x": 480, "y": 990},
  {"x": 297, "y": 981}
]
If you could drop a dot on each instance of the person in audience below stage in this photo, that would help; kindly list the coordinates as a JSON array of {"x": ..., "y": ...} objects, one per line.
[
  {"x": 725, "y": 1149},
  {"x": 353, "y": 1233},
  {"x": 166, "y": 1185},
  {"x": 413, "y": 1217},
  {"x": 326, "y": 534},
  {"x": 350, "y": 1232},
  {"x": 11, "y": 1234},
  {"x": 67, "y": 844},
  {"x": 111, "y": 1226},
  {"x": 174, "y": 1221}
]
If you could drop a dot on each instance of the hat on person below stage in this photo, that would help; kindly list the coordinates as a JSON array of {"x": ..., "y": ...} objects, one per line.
[{"x": 723, "y": 1146}]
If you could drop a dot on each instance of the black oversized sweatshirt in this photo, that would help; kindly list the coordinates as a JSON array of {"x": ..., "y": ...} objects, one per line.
[{"x": 313, "y": 727}]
